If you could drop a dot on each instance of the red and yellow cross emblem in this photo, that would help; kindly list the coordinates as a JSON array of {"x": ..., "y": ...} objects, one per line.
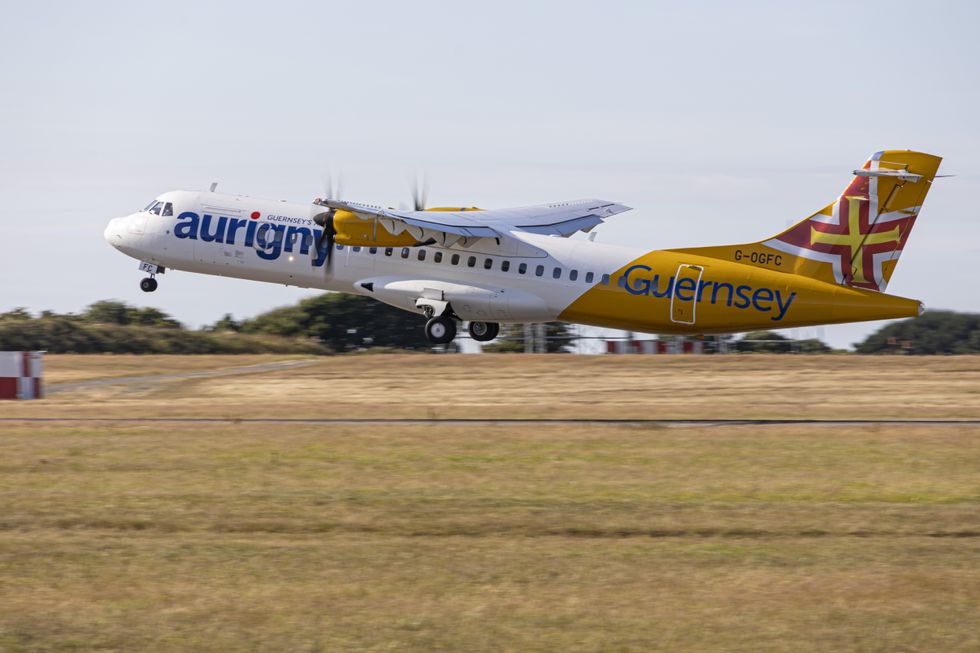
[{"x": 855, "y": 239}]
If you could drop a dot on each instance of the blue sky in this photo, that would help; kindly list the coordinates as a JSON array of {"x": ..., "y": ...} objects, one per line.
[{"x": 719, "y": 122}]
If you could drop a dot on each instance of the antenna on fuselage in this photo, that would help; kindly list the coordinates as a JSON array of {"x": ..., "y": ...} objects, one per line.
[{"x": 214, "y": 185}]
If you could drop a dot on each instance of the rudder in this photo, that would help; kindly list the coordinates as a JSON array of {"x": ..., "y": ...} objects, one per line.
[{"x": 857, "y": 239}]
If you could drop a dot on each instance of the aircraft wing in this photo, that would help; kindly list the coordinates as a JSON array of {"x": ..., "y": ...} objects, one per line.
[{"x": 448, "y": 227}]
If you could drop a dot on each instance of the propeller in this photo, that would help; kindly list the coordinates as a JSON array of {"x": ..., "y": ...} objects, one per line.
[
  {"x": 420, "y": 189},
  {"x": 325, "y": 221}
]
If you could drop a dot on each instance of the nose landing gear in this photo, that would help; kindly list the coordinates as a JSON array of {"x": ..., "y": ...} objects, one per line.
[{"x": 149, "y": 284}]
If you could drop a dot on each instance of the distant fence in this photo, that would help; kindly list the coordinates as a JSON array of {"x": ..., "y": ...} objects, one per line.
[
  {"x": 677, "y": 346},
  {"x": 20, "y": 374}
]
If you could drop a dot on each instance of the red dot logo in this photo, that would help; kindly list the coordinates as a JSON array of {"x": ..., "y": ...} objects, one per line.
[{"x": 255, "y": 215}]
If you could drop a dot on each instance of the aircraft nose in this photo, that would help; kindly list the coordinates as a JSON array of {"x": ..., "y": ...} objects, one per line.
[{"x": 113, "y": 232}]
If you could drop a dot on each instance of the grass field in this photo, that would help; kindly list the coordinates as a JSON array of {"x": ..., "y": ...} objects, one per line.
[
  {"x": 279, "y": 537},
  {"x": 491, "y": 386}
]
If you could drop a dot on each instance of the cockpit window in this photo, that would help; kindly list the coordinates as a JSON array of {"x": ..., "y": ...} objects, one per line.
[
  {"x": 156, "y": 208},
  {"x": 149, "y": 206},
  {"x": 168, "y": 209}
]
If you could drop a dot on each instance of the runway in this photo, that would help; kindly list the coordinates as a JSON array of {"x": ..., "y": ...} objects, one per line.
[
  {"x": 149, "y": 379},
  {"x": 529, "y": 421}
]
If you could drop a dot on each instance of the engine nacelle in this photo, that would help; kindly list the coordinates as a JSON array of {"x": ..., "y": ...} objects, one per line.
[
  {"x": 354, "y": 231},
  {"x": 351, "y": 230}
]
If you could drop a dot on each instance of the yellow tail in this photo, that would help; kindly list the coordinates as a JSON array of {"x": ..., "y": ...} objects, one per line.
[{"x": 857, "y": 239}]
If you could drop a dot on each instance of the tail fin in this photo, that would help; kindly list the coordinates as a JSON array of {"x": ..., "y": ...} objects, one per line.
[{"x": 856, "y": 240}]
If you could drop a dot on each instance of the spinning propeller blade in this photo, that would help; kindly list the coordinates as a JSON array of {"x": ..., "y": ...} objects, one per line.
[
  {"x": 420, "y": 189},
  {"x": 326, "y": 221}
]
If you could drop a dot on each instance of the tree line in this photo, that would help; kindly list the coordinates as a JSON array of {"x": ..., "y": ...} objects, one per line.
[{"x": 337, "y": 323}]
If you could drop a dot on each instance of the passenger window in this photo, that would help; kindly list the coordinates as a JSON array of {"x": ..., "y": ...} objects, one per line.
[
  {"x": 404, "y": 252},
  {"x": 471, "y": 261},
  {"x": 340, "y": 247},
  {"x": 389, "y": 251},
  {"x": 421, "y": 254},
  {"x": 455, "y": 259},
  {"x": 437, "y": 257},
  {"x": 487, "y": 264},
  {"x": 605, "y": 279},
  {"x": 538, "y": 271},
  {"x": 573, "y": 275},
  {"x": 556, "y": 273},
  {"x": 373, "y": 250},
  {"x": 357, "y": 249},
  {"x": 168, "y": 209},
  {"x": 589, "y": 276},
  {"x": 522, "y": 268},
  {"x": 504, "y": 266}
]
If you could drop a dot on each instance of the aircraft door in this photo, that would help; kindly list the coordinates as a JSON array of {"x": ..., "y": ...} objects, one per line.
[{"x": 684, "y": 298}]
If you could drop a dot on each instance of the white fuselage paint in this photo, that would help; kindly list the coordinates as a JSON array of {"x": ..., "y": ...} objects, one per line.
[{"x": 475, "y": 292}]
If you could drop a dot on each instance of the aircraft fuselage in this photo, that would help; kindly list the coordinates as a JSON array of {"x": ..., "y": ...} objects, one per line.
[{"x": 527, "y": 278}]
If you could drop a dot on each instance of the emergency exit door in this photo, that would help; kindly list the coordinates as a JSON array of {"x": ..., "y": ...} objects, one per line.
[{"x": 684, "y": 294}]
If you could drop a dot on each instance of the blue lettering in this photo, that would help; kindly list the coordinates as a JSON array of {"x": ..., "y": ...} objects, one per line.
[
  {"x": 701, "y": 287},
  {"x": 187, "y": 229},
  {"x": 762, "y": 294},
  {"x": 655, "y": 290},
  {"x": 219, "y": 230},
  {"x": 642, "y": 286},
  {"x": 782, "y": 307},
  {"x": 304, "y": 239},
  {"x": 764, "y": 300},
  {"x": 685, "y": 284},
  {"x": 321, "y": 253},
  {"x": 740, "y": 294},
  {"x": 250, "y": 233},
  {"x": 234, "y": 224},
  {"x": 719, "y": 286},
  {"x": 269, "y": 248}
]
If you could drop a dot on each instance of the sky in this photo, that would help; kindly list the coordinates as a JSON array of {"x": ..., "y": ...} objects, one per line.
[{"x": 719, "y": 122}]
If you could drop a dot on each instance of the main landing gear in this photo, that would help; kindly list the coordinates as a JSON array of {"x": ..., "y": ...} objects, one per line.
[
  {"x": 149, "y": 284},
  {"x": 440, "y": 330},
  {"x": 484, "y": 331}
]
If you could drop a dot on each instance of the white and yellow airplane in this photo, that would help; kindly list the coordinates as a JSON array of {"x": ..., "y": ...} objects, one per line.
[{"x": 488, "y": 267}]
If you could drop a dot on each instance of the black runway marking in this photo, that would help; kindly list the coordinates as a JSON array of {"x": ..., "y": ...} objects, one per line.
[{"x": 476, "y": 421}]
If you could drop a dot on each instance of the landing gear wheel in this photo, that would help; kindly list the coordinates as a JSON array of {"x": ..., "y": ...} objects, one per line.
[
  {"x": 484, "y": 331},
  {"x": 149, "y": 284},
  {"x": 440, "y": 330}
]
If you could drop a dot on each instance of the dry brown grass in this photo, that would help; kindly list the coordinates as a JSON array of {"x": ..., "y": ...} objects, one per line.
[
  {"x": 532, "y": 386},
  {"x": 183, "y": 537}
]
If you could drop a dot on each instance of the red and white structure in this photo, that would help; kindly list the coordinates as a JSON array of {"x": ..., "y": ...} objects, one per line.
[
  {"x": 20, "y": 374},
  {"x": 676, "y": 346}
]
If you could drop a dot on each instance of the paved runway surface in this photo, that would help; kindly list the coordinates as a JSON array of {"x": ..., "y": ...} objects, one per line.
[
  {"x": 516, "y": 420},
  {"x": 54, "y": 388}
]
